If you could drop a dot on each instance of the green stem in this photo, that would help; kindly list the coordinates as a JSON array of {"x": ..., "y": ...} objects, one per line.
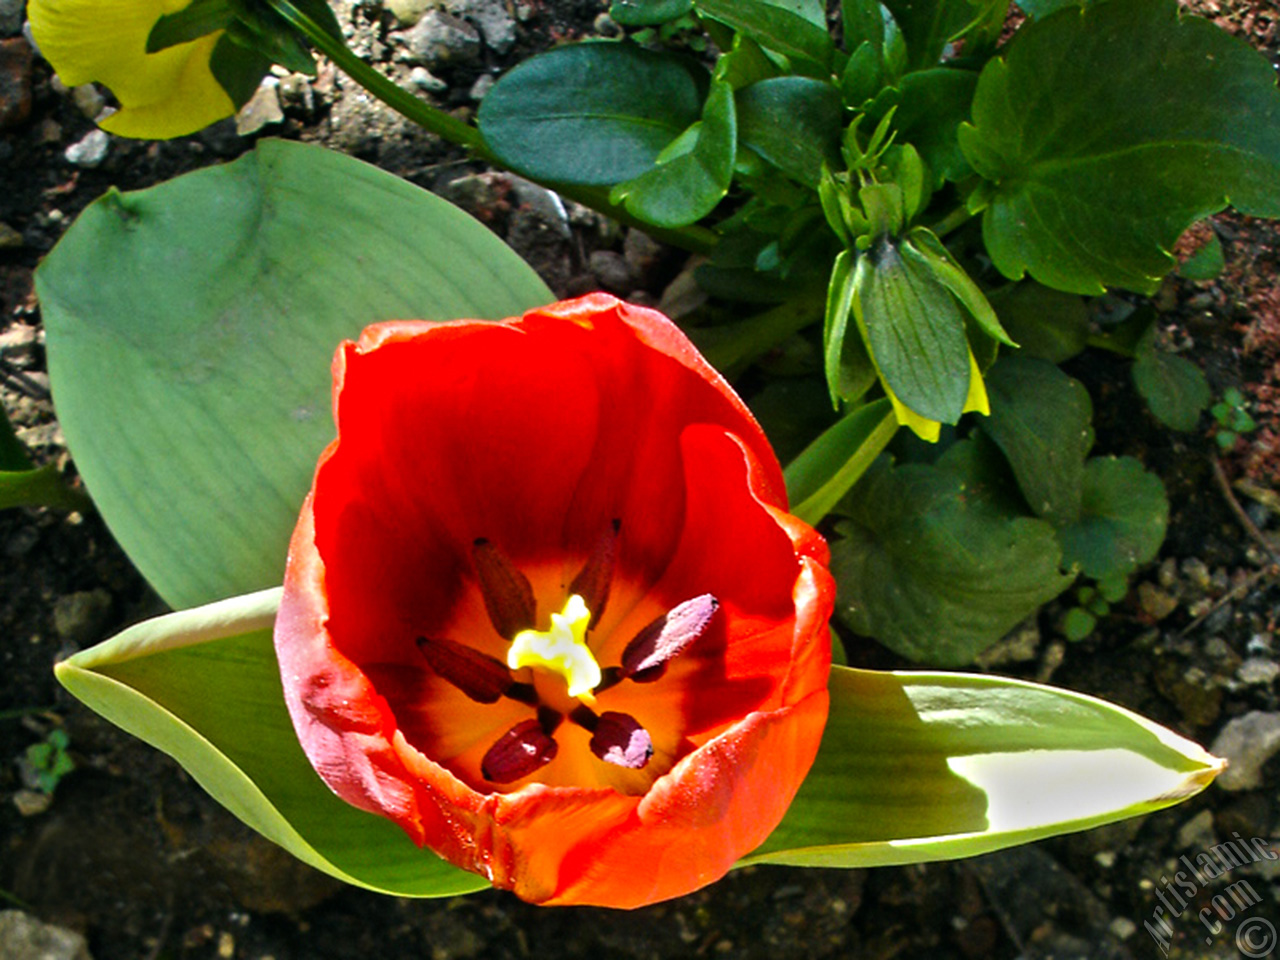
[
  {"x": 403, "y": 102},
  {"x": 952, "y": 221},
  {"x": 42, "y": 487},
  {"x": 695, "y": 239},
  {"x": 731, "y": 347},
  {"x": 828, "y": 468}
]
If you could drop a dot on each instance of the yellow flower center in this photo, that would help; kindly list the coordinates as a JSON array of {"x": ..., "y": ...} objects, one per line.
[{"x": 561, "y": 650}]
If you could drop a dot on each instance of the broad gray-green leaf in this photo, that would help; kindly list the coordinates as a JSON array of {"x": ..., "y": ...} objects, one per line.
[
  {"x": 915, "y": 330},
  {"x": 935, "y": 562},
  {"x": 1123, "y": 518},
  {"x": 794, "y": 123},
  {"x": 1044, "y": 322},
  {"x": 203, "y": 686},
  {"x": 1175, "y": 389},
  {"x": 191, "y": 329},
  {"x": 1106, "y": 131},
  {"x": 1041, "y": 419},
  {"x": 595, "y": 113},
  {"x": 934, "y": 766},
  {"x": 693, "y": 174},
  {"x": 797, "y": 28}
]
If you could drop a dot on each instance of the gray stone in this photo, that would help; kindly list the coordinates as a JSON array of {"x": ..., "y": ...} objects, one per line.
[
  {"x": 424, "y": 79},
  {"x": 23, "y": 937},
  {"x": 90, "y": 150},
  {"x": 1258, "y": 671},
  {"x": 1198, "y": 832},
  {"x": 1246, "y": 743},
  {"x": 88, "y": 99},
  {"x": 439, "y": 38},
  {"x": 78, "y": 617},
  {"x": 611, "y": 271},
  {"x": 496, "y": 24},
  {"x": 262, "y": 109},
  {"x": 484, "y": 83},
  {"x": 409, "y": 12}
]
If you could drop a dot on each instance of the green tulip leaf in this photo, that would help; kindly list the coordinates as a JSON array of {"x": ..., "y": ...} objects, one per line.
[
  {"x": 1107, "y": 130},
  {"x": 692, "y": 175},
  {"x": 1175, "y": 389},
  {"x": 936, "y": 562},
  {"x": 934, "y": 766},
  {"x": 592, "y": 114},
  {"x": 1041, "y": 419},
  {"x": 794, "y": 123},
  {"x": 191, "y": 328},
  {"x": 1124, "y": 513},
  {"x": 203, "y": 686}
]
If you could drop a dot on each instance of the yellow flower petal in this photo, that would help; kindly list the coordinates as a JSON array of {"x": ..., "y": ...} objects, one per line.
[{"x": 165, "y": 94}]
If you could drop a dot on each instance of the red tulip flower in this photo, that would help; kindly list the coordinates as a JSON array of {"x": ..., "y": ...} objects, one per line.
[{"x": 546, "y": 610}]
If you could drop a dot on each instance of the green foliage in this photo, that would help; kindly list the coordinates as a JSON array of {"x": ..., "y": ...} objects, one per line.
[
  {"x": 49, "y": 760},
  {"x": 1104, "y": 132},
  {"x": 1232, "y": 416},
  {"x": 1174, "y": 388},
  {"x": 230, "y": 362}
]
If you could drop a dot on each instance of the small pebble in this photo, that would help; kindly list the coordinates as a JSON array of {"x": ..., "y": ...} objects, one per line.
[
  {"x": 89, "y": 101},
  {"x": 1198, "y": 832},
  {"x": 1197, "y": 572},
  {"x": 1122, "y": 928},
  {"x": 90, "y": 150},
  {"x": 1247, "y": 743},
  {"x": 424, "y": 79},
  {"x": 484, "y": 83},
  {"x": 1258, "y": 671},
  {"x": 1156, "y": 603}
]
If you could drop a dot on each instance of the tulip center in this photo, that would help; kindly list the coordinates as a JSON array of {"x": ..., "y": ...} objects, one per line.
[{"x": 561, "y": 650}]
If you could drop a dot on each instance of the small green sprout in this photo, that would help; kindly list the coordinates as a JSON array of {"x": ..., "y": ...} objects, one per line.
[
  {"x": 1232, "y": 415},
  {"x": 50, "y": 761}
]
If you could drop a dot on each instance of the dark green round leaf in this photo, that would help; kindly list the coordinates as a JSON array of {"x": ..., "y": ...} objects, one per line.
[
  {"x": 1041, "y": 421},
  {"x": 936, "y": 563},
  {"x": 1175, "y": 389},
  {"x": 794, "y": 123},
  {"x": 931, "y": 107},
  {"x": 1123, "y": 519},
  {"x": 1045, "y": 323},
  {"x": 1107, "y": 130},
  {"x": 693, "y": 174},
  {"x": 591, "y": 113}
]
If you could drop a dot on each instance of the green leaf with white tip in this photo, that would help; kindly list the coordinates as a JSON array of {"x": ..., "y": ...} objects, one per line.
[
  {"x": 191, "y": 328},
  {"x": 203, "y": 686},
  {"x": 932, "y": 766}
]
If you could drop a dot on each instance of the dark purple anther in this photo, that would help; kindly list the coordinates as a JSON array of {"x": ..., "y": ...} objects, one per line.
[
  {"x": 593, "y": 581},
  {"x": 667, "y": 637},
  {"x": 620, "y": 740},
  {"x": 481, "y": 677},
  {"x": 508, "y": 595},
  {"x": 522, "y": 750}
]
